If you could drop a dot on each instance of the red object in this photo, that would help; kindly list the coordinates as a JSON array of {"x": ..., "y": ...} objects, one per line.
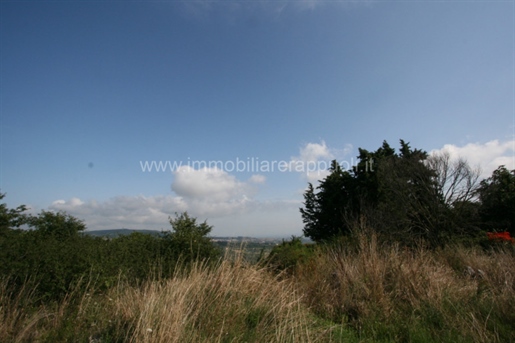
[{"x": 500, "y": 236}]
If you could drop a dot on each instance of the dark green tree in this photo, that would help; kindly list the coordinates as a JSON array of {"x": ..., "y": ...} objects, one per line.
[
  {"x": 366, "y": 174},
  {"x": 396, "y": 193},
  {"x": 409, "y": 206},
  {"x": 52, "y": 255},
  {"x": 326, "y": 211},
  {"x": 11, "y": 218},
  {"x": 189, "y": 239},
  {"x": 57, "y": 224},
  {"x": 497, "y": 201}
]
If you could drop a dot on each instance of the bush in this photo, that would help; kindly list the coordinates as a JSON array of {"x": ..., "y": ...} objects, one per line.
[
  {"x": 54, "y": 256},
  {"x": 188, "y": 240},
  {"x": 289, "y": 254}
]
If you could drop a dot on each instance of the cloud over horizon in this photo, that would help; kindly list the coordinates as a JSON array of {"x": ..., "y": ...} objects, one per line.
[
  {"x": 488, "y": 156},
  {"x": 230, "y": 204},
  {"x": 204, "y": 193}
]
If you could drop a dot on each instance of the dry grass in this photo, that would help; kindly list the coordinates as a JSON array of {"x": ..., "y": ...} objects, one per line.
[
  {"x": 24, "y": 319},
  {"x": 369, "y": 292},
  {"x": 233, "y": 302},
  {"x": 394, "y": 294},
  {"x": 17, "y": 319}
]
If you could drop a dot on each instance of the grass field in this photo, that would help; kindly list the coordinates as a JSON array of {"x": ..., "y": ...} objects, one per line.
[{"x": 364, "y": 293}]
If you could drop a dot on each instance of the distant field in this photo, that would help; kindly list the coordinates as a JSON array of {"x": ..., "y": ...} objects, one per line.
[{"x": 251, "y": 250}]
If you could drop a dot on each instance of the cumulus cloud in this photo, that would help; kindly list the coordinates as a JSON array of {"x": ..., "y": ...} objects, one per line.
[
  {"x": 313, "y": 160},
  {"x": 211, "y": 194},
  {"x": 229, "y": 218},
  {"x": 488, "y": 156},
  {"x": 212, "y": 191},
  {"x": 204, "y": 193},
  {"x": 315, "y": 152},
  {"x": 207, "y": 183},
  {"x": 123, "y": 211}
]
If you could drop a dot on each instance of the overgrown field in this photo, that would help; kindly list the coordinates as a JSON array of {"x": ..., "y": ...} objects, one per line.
[{"x": 355, "y": 290}]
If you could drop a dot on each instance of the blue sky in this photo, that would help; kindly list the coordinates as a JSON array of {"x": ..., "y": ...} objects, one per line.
[{"x": 90, "y": 90}]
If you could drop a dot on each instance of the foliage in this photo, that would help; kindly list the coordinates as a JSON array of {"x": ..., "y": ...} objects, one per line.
[
  {"x": 190, "y": 239},
  {"x": 59, "y": 225},
  {"x": 228, "y": 302},
  {"x": 54, "y": 255},
  {"x": 409, "y": 205},
  {"x": 326, "y": 210},
  {"x": 11, "y": 218},
  {"x": 406, "y": 196},
  {"x": 497, "y": 199},
  {"x": 457, "y": 184},
  {"x": 287, "y": 255}
]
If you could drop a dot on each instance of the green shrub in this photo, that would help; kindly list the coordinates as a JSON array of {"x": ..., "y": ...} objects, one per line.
[
  {"x": 55, "y": 256},
  {"x": 289, "y": 254}
]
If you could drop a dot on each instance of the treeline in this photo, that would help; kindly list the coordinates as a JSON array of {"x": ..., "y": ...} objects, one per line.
[
  {"x": 410, "y": 197},
  {"x": 54, "y": 255}
]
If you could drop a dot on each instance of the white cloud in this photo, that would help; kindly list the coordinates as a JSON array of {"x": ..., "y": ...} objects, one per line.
[
  {"x": 208, "y": 183},
  {"x": 315, "y": 152},
  {"x": 213, "y": 192},
  {"x": 209, "y": 194},
  {"x": 257, "y": 179},
  {"x": 488, "y": 156},
  {"x": 313, "y": 161},
  {"x": 244, "y": 217},
  {"x": 76, "y": 202},
  {"x": 123, "y": 211},
  {"x": 204, "y": 193}
]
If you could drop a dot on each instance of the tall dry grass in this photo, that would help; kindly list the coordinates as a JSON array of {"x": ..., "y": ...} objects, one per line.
[
  {"x": 17, "y": 319},
  {"x": 233, "y": 302},
  {"x": 366, "y": 291},
  {"x": 229, "y": 302},
  {"x": 394, "y": 294},
  {"x": 24, "y": 318}
]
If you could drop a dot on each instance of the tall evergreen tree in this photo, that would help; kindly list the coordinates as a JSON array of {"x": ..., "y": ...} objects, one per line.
[
  {"x": 326, "y": 211},
  {"x": 397, "y": 193},
  {"x": 497, "y": 199}
]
